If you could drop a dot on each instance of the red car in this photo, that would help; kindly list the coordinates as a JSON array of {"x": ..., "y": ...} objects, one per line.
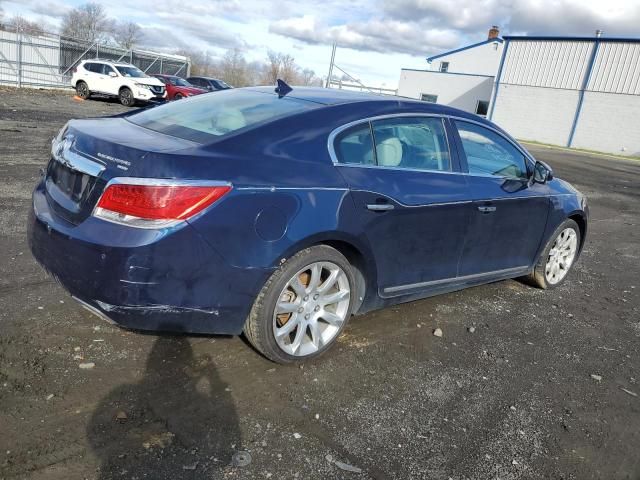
[{"x": 178, "y": 88}]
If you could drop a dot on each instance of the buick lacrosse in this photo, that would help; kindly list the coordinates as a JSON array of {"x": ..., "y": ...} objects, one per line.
[{"x": 282, "y": 213}]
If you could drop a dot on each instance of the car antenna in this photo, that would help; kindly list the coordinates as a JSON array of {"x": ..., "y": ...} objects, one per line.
[{"x": 282, "y": 89}]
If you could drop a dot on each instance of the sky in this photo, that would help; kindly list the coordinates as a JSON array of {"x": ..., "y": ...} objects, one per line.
[{"x": 375, "y": 38}]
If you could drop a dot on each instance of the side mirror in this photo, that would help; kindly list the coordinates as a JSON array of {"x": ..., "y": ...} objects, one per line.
[
  {"x": 113, "y": 74},
  {"x": 542, "y": 173}
]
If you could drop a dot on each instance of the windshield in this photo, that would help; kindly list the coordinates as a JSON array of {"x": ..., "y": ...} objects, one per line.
[
  {"x": 223, "y": 84},
  {"x": 207, "y": 117},
  {"x": 181, "y": 82},
  {"x": 131, "y": 71}
]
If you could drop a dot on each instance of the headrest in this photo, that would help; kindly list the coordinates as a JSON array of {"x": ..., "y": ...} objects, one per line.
[
  {"x": 229, "y": 119},
  {"x": 389, "y": 152}
]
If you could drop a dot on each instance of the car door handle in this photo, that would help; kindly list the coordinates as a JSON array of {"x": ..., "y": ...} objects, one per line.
[
  {"x": 485, "y": 209},
  {"x": 380, "y": 207}
]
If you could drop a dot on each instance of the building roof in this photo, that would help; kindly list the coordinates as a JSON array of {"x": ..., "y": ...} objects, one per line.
[
  {"x": 479, "y": 44},
  {"x": 571, "y": 39}
]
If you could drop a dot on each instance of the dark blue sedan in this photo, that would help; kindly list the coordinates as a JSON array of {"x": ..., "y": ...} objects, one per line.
[{"x": 282, "y": 214}]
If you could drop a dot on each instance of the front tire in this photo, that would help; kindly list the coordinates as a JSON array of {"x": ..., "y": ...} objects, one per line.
[
  {"x": 178, "y": 96},
  {"x": 558, "y": 256},
  {"x": 126, "y": 97},
  {"x": 303, "y": 307},
  {"x": 82, "y": 90}
]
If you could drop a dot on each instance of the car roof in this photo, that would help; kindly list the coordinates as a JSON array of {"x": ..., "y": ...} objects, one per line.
[
  {"x": 110, "y": 62},
  {"x": 332, "y": 96},
  {"x": 372, "y": 102},
  {"x": 205, "y": 78}
]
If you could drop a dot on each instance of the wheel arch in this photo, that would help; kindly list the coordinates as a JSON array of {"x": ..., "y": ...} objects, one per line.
[
  {"x": 356, "y": 252},
  {"x": 580, "y": 218}
]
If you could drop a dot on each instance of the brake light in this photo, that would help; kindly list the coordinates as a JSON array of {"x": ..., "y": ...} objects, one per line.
[{"x": 156, "y": 204}]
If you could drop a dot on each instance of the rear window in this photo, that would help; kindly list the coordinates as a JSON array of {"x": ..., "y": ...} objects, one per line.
[{"x": 206, "y": 118}]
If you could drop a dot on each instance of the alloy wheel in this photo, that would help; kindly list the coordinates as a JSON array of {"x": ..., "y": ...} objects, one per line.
[
  {"x": 83, "y": 90},
  {"x": 561, "y": 256},
  {"x": 126, "y": 97},
  {"x": 311, "y": 309}
]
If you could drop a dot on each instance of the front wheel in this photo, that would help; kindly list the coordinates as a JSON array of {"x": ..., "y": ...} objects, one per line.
[
  {"x": 178, "y": 96},
  {"x": 558, "y": 256},
  {"x": 303, "y": 307},
  {"x": 126, "y": 97}
]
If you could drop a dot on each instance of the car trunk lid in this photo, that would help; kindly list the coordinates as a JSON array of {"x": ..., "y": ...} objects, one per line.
[{"x": 91, "y": 152}]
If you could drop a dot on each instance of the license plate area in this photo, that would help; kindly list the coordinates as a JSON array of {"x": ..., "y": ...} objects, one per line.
[{"x": 70, "y": 193}]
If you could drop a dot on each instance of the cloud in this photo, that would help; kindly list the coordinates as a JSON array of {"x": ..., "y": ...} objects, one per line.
[{"x": 385, "y": 36}]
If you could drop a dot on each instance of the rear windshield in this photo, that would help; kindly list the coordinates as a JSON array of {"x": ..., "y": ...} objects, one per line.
[{"x": 208, "y": 117}]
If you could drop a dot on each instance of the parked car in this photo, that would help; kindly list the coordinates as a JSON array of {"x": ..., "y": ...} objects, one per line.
[
  {"x": 208, "y": 83},
  {"x": 126, "y": 82},
  {"x": 178, "y": 88},
  {"x": 281, "y": 215}
]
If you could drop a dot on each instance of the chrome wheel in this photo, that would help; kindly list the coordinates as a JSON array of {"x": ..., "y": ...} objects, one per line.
[
  {"x": 311, "y": 309},
  {"x": 561, "y": 256}
]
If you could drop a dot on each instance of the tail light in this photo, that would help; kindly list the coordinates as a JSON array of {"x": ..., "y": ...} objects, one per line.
[{"x": 151, "y": 203}]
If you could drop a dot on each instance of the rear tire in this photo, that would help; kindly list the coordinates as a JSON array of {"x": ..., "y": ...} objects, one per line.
[
  {"x": 303, "y": 307},
  {"x": 558, "y": 257},
  {"x": 126, "y": 97},
  {"x": 82, "y": 90}
]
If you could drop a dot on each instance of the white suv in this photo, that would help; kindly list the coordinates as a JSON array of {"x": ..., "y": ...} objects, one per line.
[{"x": 122, "y": 80}]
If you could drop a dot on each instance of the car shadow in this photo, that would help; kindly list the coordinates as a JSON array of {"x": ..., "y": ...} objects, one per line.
[{"x": 178, "y": 421}]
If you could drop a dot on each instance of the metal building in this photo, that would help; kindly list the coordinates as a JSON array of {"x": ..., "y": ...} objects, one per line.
[{"x": 581, "y": 92}]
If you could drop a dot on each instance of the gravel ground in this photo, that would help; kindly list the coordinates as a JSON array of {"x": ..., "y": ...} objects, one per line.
[{"x": 547, "y": 386}]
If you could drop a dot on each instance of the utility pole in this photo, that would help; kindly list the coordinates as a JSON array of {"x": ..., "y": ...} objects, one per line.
[{"x": 333, "y": 57}]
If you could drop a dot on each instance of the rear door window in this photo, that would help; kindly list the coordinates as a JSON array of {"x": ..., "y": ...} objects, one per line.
[
  {"x": 418, "y": 143},
  {"x": 355, "y": 146},
  {"x": 206, "y": 118},
  {"x": 93, "y": 67}
]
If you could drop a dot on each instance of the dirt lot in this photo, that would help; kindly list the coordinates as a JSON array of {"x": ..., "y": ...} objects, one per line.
[{"x": 515, "y": 399}]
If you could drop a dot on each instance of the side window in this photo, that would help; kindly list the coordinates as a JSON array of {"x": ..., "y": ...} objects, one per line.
[
  {"x": 108, "y": 70},
  {"x": 91, "y": 67},
  {"x": 489, "y": 153},
  {"x": 411, "y": 142},
  {"x": 355, "y": 146}
]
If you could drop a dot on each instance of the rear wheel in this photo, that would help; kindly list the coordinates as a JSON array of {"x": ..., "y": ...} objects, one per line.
[
  {"x": 303, "y": 307},
  {"x": 82, "y": 90},
  {"x": 558, "y": 256},
  {"x": 126, "y": 97}
]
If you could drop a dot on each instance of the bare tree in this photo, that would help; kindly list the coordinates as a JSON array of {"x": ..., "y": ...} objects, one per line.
[
  {"x": 127, "y": 34},
  {"x": 21, "y": 24},
  {"x": 281, "y": 66},
  {"x": 233, "y": 68},
  {"x": 88, "y": 22},
  {"x": 309, "y": 78}
]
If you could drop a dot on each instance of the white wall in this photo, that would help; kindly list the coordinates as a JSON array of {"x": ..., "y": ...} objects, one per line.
[
  {"x": 540, "y": 89},
  {"x": 459, "y": 91},
  {"x": 534, "y": 113},
  {"x": 609, "y": 123},
  {"x": 481, "y": 60}
]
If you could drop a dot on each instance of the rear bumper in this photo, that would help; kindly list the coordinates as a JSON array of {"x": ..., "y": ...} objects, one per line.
[{"x": 169, "y": 280}]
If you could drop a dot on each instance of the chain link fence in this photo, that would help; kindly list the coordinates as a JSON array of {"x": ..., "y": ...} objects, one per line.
[{"x": 48, "y": 60}]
